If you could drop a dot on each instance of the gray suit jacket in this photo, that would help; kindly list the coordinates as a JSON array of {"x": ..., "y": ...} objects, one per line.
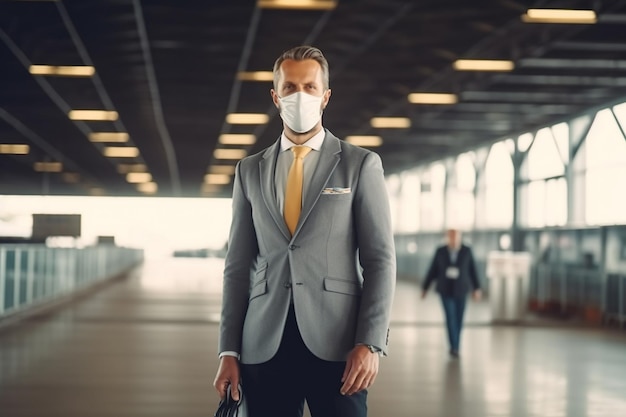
[{"x": 339, "y": 266}]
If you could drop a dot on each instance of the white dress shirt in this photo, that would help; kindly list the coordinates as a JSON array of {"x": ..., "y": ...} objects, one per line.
[{"x": 285, "y": 159}]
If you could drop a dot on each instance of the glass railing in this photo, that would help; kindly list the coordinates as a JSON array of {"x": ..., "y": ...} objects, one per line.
[{"x": 31, "y": 275}]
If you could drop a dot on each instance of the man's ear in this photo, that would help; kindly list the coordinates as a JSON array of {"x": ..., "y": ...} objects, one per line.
[
  {"x": 327, "y": 94},
  {"x": 275, "y": 98}
]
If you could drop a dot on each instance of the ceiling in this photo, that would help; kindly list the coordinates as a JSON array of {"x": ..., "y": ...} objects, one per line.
[{"x": 169, "y": 69}]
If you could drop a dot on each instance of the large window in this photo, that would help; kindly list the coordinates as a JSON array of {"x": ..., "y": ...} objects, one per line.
[
  {"x": 604, "y": 153},
  {"x": 497, "y": 187},
  {"x": 460, "y": 204},
  {"x": 408, "y": 203},
  {"x": 544, "y": 194},
  {"x": 433, "y": 182}
]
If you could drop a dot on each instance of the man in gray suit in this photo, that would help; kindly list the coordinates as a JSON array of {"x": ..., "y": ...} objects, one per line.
[{"x": 306, "y": 299}]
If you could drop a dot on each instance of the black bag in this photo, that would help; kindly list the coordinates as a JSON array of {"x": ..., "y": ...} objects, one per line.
[{"x": 228, "y": 407}]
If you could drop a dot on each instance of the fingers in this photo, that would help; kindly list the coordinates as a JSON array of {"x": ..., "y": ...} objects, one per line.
[
  {"x": 234, "y": 391},
  {"x": 360, "y": 372},
  {"x": 227, "y": 375}
]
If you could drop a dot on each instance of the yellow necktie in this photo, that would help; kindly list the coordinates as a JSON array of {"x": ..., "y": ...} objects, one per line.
[{"x": 293, "y": 191}]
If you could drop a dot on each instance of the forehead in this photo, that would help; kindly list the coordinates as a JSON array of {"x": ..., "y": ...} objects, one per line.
[{"x": 307, "y": 70}]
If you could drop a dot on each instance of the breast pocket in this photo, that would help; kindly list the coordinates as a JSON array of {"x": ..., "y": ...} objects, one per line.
[{"x": 335, "y": 197}]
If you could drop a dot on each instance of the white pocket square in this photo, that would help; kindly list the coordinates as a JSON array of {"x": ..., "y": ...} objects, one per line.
[{"x": 336, "y": 190}]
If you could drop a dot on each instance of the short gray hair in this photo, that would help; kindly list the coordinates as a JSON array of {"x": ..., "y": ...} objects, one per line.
[{"x": 300, "y": 53}]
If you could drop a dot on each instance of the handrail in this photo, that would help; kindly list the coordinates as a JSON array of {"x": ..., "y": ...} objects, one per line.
[
  {"x": 573, "y": 287},
  {"x": 32, "y": 274}
]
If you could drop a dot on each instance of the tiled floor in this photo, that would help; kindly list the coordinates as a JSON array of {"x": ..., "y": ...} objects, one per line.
[{"x": 146, "y": 346}]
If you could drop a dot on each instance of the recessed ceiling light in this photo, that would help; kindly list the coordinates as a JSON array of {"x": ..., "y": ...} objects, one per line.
[
  {"x": 71, "y": 177},
  {"x": 560, "y": 16},
  {"x": 483, "y": 65},
  {"x": 148, "y": 187},
  {"x": 222, "y": 169},
  {"x": 138, "y": 177},
  {"x": 121, "y": 152},
  {"x": 210, "y": 188},
  {"x": 297, "y": 4},
  {"x": 63, "y": 71},
  {"x": 247, "y": 118},
  {"x": 119, "y": 137},
  {"x": 237, "y": 139},
  {"x": 126, "y": 168},
  {"x": 390, "y": 122},
  {"x": 229, "y": 153},
  {"x": 14, "y": 149},
  {"x": 93, "y": 115},
  {"x": 48, "y": 166},
  {"x": 217, "y": 179},
  {"x": 365, "y": 140},
  {"x": 255, "y": 76},
  {"x": 433, "y": 98}
]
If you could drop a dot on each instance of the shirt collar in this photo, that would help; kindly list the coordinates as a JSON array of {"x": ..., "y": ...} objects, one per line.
[{"x": 314, "y": 143}]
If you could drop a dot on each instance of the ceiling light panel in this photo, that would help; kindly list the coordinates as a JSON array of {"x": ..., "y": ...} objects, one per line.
[
  {"x": 14, "y": 149},
  {"x": 63, "y": 71},
  {"x": 237, "y": 139},
  {"x": 126, "y": 168},
  {"x": 255, "y": 76},
  {"x": 365, "y": 140},
  {"x": 121, "y": 152},
  {"x": 433, "y": 98},
  {"x": 247, "y": 118},
  {"x": 138, "y": 177},
  {"x": 222, "y": 169},
  {"x": 111, "y": 137},
  {"x": 217, "y": 179},
  {"x": 565, "y": 16},
  {"x": 229, "y": 153},
  {"x": 48, "y": 166},
  {"x": 71, "y": 177},
  {"x": 483, "y": 65},
  {"x": 105, "y": 115},
  {"x": 148, "y": 187},
  {"x": 390, "y": 122},
  {"x": 297, "y": 4}
]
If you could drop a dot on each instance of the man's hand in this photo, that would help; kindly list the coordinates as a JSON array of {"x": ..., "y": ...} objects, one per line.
[
  {"x": 361, "y": 370},
  {"x": 424, "y": 294},
  {"x": 227, "y": 374},
  {"x": 477, "y": 295}
]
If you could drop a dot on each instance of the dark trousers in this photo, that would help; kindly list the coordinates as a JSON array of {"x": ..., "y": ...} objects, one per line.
[
  {"x": 279, "y": 387},
  {"x": 454, "y": 307}
]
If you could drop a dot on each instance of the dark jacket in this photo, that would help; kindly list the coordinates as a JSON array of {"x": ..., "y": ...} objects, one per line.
[{"x": 467, "y": 277}]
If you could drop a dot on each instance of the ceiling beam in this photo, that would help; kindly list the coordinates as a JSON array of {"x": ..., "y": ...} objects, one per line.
[
  {"x": 567, "y": 80},
  {"x": 589, "y": 46},
  {"x": 517, "y": 108},
  {"x": 157, "y": 108},
  {"x": 533, "y": 97},
  {"x": 567, "y": 64}
]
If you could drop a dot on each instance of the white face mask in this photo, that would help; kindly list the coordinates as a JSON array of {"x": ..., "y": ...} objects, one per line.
[{"x": 300, "y": 111}]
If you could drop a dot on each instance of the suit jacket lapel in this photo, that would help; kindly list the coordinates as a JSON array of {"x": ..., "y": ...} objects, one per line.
[
  {"x": 267, "y": 168},
  {"x": 329, "y": 158}
]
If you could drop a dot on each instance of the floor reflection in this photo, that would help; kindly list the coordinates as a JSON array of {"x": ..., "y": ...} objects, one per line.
[{"x": 146, "y": 346}]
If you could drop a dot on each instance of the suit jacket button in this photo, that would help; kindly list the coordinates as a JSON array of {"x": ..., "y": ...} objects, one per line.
[{"x": 292, "y": 247}]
